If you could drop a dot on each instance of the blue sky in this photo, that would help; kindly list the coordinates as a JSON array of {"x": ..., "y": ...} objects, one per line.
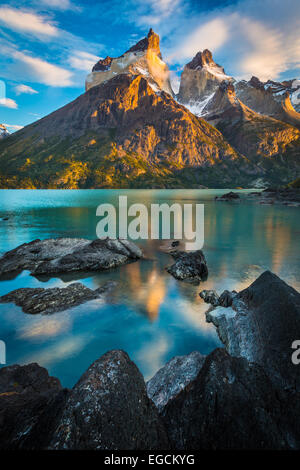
[{"x": 48, "y": 46}]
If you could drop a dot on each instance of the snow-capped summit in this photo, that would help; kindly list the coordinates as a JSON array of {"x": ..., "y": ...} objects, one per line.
[
  {"x": 280, "y": 100},
  {"x": 200, "y": 79},
  {"x": 144, "y": 58},
  {"x": 3, "y": 131}
]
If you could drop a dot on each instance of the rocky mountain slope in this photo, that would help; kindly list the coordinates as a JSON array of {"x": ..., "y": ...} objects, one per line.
[
  {"x": 270, "y": 143},
  {"x": 121, "y": 133},
  {"x": 278, "y": 100},
  {"x": 128, "y": 130}
]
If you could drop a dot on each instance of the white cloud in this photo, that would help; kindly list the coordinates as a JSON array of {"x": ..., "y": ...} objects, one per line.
[
  {"x": 19, "y": 89},
  {"x": 264, "y": 58},
  {"x": 13, "y": 127},
  {"x": 18, "y": 20},
  {"x": 8, "y": 103},
  {"x": 44, "y": 72},
  {"x": 210, "y": 35},
  {"x": 81, "y": 60},
  {"x": 153, "y": 12},
  {"x": 251, "y": 37}
]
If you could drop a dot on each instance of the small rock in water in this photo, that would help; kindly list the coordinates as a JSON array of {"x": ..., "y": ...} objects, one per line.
[
  {"x": 55, "y": 299},
  {"x": 189, "y": 266},
  {"x": 210, "y": 297},
  {"x": 231, "y": 196}
]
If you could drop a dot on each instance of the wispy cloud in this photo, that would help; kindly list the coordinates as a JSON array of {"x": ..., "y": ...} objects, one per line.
[
  {"x": 250, "y": 37},
  {"x": 27, "y": 22},
  {"x": 19, "y": 89},
  {"x": 210, "y": 35},
  {"x": 44, "y": 72},
  {"x": 81, "y": 60},
  {"x": 8, "y": 103},
  {"x": 60, "y": 4}
]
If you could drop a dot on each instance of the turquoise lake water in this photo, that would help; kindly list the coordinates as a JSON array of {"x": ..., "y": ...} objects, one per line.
[{"x": 150, "y": 315}]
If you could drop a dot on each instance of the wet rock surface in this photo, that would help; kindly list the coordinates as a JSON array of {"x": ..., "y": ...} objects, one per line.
[
  {"x": 109, "y": 409},
  {"x": 210, "y": 297},
  {"x": 232, "y": 404},
  {"x": 261, "y": 325},
  {"x": 189, "y": 266},
  {"x": 173, "y": 377},
  {"x": 284, "y": 196},
  {"x": 30, "y": 403},
  {"x": 54, "y": 299},
  {"x": 65, "y": 255},
  {"x": 231, "y": 196}
]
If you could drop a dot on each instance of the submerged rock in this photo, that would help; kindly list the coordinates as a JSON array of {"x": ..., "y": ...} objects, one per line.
[
  {"x": 261, "y": 325},
  {"x": 64, "y": 255},
  {"x": 109, "y": 408},
  {"x": 232, "y": 404},
  {"x": 173, "y": 377},
  {"x": 30, "y": 403},
  {"x": 189, "y": 266},
  {"x": 54, "y": 299}
]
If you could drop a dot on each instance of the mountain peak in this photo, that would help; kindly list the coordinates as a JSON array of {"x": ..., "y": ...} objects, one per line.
[
  {"x": 256, "y": 83},
  {"x": 201, "y": 59},
  {"x": 149, "y": 42},
  {"x": 144, "y": 58}
]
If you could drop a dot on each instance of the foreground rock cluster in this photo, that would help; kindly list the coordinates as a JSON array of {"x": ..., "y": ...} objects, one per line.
[{"x": 244, "y": 396}]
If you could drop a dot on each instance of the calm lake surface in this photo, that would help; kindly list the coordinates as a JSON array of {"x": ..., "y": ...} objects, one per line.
[{"x": 150, "y": 315}]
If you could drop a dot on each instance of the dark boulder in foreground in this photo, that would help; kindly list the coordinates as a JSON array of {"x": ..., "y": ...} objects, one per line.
[
  {"x": 173, "y": 377},
  {"x": 30, "y": 405},
  {"x": 109, "y": 408},
  {"x": 189, "y": 266},
  {"x": 65, "y": 255},
  {"x": 261, "y": 325},
  {"x": 54, "y": 299},
  {"x": 232, "y": 404}
]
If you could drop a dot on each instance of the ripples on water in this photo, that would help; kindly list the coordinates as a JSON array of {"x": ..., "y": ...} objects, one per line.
[{"x": 150, "y": 315}]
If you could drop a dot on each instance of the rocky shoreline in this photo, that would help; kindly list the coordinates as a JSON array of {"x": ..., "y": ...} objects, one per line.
[
  {"x": 243, "y": 396},
  {"x": 283, "y": 196}
]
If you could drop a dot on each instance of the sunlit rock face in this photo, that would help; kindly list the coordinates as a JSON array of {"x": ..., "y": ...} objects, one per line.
[
  {"x": 3, "y": 131},
  {"x": 280, "y": 100},
  {"x": 200, "y": 79},
  {"x": 144, "y": 58}
]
